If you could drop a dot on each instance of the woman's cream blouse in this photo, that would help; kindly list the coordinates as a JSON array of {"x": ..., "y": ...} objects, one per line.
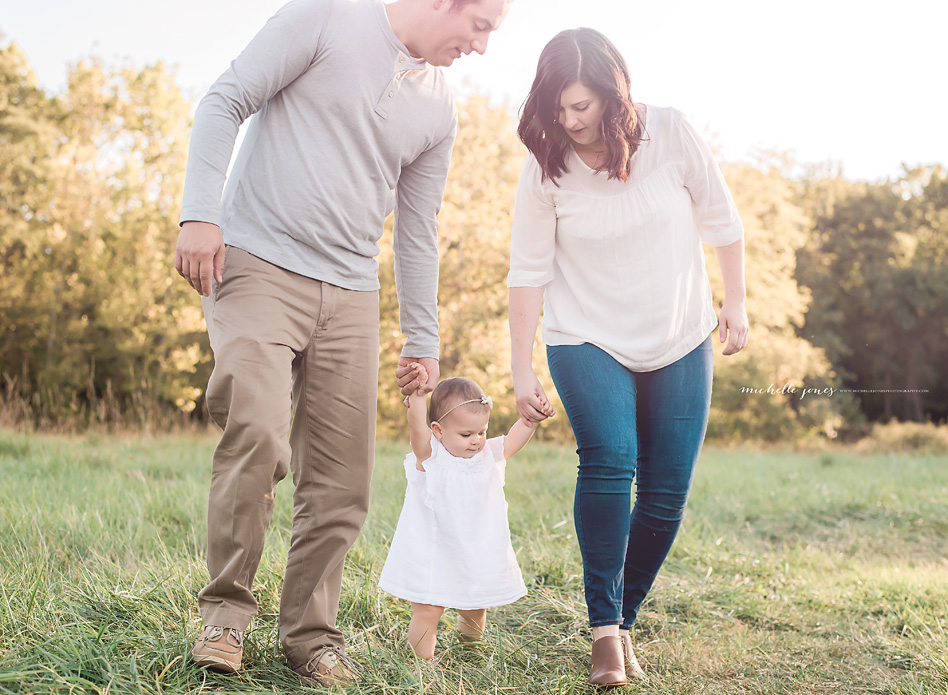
[{"x": 621, "y": 263}]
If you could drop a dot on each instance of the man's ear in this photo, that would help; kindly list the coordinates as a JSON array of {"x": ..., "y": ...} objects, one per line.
[{"x": 436, "y": 430}]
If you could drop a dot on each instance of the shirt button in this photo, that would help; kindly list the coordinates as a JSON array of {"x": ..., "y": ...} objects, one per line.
[
  {"x": 391, "y": 94},
  {"x": 401, "y": 59}
]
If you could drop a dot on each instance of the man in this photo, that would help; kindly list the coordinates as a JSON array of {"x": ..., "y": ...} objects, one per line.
[{"x": 349, "y": 106}]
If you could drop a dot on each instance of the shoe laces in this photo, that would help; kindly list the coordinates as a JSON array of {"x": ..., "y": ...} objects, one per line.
[
  {"x": 234, "y": 638},
  {"x": 335, "y": 658}
]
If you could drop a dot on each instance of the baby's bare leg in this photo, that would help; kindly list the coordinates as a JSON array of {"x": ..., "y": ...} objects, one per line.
[
  {"x": 471, "y": 624},
  {"x": 423, "y": 629}
]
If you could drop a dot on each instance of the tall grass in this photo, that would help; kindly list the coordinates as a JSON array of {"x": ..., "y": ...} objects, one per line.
[{"x": 793, "y": 573}]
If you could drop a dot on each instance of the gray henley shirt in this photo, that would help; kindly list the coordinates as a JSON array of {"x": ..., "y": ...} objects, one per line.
[{"x": 346, "y": 127}]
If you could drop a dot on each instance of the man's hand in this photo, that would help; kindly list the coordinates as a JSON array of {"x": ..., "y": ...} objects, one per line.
[
  {"x": 199, "y": 255},
  {"x": 408, "y": 380},
  {"x": 420, "y": 374}
]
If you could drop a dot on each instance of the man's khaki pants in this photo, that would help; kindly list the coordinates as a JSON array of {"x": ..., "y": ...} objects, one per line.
[{"x": 270, "y": 328}]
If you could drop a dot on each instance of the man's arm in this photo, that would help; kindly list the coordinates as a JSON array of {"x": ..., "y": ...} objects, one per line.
[
  {"x": 283, "y": 49},
  {"x": 417, "y": 203}
]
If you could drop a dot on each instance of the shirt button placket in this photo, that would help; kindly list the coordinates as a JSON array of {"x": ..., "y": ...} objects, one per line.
[{"x": 393, "y": 84}]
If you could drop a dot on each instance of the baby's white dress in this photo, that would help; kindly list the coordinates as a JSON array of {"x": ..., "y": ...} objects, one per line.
[{"x": 452, "y": 544}]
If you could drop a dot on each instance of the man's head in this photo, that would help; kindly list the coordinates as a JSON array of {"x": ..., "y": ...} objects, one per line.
[{"x": 444, "y": 30}]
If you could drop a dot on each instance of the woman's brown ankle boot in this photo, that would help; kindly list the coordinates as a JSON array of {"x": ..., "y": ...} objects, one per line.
[
  {"x": 608, "y": 663},
  {"x": 632, "y": 668}
]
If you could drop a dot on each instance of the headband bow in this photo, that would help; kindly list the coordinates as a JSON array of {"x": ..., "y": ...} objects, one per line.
[{"x": 484, "y": 400}]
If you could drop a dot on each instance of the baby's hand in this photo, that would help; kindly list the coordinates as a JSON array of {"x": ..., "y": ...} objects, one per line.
[
  {"x": 421, "y": 374},
  {"x": 545, "y": 406}
]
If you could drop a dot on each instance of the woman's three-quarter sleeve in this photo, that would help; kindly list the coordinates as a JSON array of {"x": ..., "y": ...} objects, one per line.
[
  {"x": 533, "y": 239},
  {"x": 717, "y": 218}
]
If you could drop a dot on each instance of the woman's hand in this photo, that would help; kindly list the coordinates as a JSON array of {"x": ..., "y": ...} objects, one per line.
[
  {"x": 733, "y": 327},
  {"x": 732, "y": 321},
  {"x": 532, "y": 403}
]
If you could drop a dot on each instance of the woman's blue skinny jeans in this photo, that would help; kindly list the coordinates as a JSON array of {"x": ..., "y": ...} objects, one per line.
[{"x": 646, "y": 426}]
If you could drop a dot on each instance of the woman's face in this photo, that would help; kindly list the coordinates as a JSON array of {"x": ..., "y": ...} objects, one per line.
[{"x": 580, "y": 113}]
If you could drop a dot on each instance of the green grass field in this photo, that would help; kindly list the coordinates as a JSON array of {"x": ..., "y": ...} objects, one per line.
[{"x": 793, "y": 573}]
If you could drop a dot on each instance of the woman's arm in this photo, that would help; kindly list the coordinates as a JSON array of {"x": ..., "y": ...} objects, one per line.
[
  {"x": 719, "y": 225},
  {"x": 524, "y": 316},
  {"x": 733, "y": 325}
]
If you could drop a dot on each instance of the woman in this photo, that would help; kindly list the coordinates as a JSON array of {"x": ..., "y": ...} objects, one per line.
[{"x": 614, "y": 201}]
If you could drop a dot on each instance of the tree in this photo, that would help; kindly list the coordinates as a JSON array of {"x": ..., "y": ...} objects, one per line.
[
  {"x": 876, "y": 263},
  {"x": 100, "y": 325},
  {"x": 751, "y": 398},
  {"x": 28, "y": 137}
]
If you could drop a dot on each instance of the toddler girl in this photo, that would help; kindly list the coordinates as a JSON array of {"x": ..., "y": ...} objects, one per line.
[{"x": 452, "y": 544}]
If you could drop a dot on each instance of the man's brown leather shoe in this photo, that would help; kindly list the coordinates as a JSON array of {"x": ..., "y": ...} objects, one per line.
[
  {"x": 219, "y": 648},
  {"x": 328, "y": 667}
]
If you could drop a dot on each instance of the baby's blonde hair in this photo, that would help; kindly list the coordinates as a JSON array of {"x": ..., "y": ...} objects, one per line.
[{"x": 449, "y": 392}]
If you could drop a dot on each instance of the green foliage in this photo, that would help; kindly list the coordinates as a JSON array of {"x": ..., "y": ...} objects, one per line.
[
  {"x": 845, "y": 281},
  {"x": 28, "y": 132},
  {"x": 876, "y": 264},
  {"x": 95, "y": 322},
  {"x": 792, "y": 575},
  {"x": 750, "y": 399},
  {"x": 905, "y": 437}
]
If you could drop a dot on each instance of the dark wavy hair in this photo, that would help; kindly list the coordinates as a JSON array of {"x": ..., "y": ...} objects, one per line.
[{"x": 583, "y": 55}]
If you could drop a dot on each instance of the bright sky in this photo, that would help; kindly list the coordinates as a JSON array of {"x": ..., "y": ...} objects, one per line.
[{"x": 856, "y": 81}]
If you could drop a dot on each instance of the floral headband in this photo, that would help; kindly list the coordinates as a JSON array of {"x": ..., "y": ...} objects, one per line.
[{"x": 484, "y": 400}]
